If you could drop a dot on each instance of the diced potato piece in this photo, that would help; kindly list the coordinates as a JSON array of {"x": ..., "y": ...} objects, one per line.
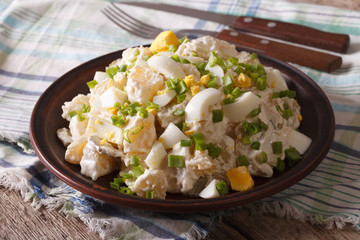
[
  {"x": 240, "y": 179},
  {"x": 162, "y": 42},
  {"x": 74, "y": 151}
]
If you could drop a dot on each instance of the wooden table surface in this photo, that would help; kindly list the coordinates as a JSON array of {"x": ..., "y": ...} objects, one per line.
[{"x": 19, "y": 220}]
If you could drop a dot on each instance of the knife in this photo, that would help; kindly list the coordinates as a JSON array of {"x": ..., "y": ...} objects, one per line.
[
  {"x": 303, "y": 56},
  {"x": 271, "y": 28}
]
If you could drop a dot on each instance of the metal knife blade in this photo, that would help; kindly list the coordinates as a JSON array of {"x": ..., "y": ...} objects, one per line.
[{"x": 276, "y": 29}]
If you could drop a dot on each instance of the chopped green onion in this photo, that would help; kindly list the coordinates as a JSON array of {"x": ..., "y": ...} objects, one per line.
[
  {"x": 262, "y": 125},
  {"x": 123, "y": 68},
  {"x": 136, "y": 52},
  {"x": 126, "y": 175},
  {"x": 286, "y": 113},
  {"x": 85, "y": 109},
  {"x": 213, "y": 151},
  {"x": 227, "y": 80},
  {"x": 185, "y": 61},
  {"x": 194, "y": 54},
  {"x": 178, "y": 113},
  {"x": 288, "y": 93},
  {"x": 137, "y": 129},
  {"x": 175, "y": 57},
  {"x": 250, "y": 128},
  {"x": 126, "y": 190},
  {"x": 181, "y": 126},
  {"x": 126, "y": 136},
  {"x": 112, "y": 71},
  {"x": 199, "y": 141},
  {"x": 217, "y": 115},
  {"x": 184, "y": 40},
  {"x": 242, "y": 161},
  {"x": 151, "y": 105},
  {"x": 72, "y": 114},
  {"x": 222, "y": 188},
  {"x": 239, "y": 69},
  {"x": 277, "y": 147},
  {"x": 170, "y": 84},
  {"x": 236, "y": 92},
  {"x": 261, "y": 83},
  {"x": 176, "y": 161},
  {"x": 213, "y": 59},
  {"x": 292, "y": 155},
  {"x": 263, "y": 157},
  {"x": 80, "y": 116},
  {"x": 114, "y": 185},
  {"x": 137, "y": 170},
  {"x": 201, "y": 67},
  {"x": 118, "y": 120},
  {"x": 181, "y": 87},
  {"x": 255, "y": 145},
  {"x": 149, "y": 194},
  {"x": 134, "y": 160},
  {"x": 143, "y": 112},
  {"x": 246, "y": 140},
  {"x": 92, "y": 84},
  {"x": 253, "y": 56},
  {"x": 185, "y": 142},
  {"x": 255, "y": 112},
  {"x": 212, "y": 84},
  {"x": 275, "y": 95},
  {"x": 280, "y": 165},
  {"x": 232, "y": 61},
  {"x": 146, "y": 57},
  {"x": 119, "y": 180},
  {"x": 173, "y": 48},
  {"x": 229, "y": 100},
  {"x": 180, "y": 98}
]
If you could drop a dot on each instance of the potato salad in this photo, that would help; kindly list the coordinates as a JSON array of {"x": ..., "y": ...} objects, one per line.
[{"x": 194, "y": 117}]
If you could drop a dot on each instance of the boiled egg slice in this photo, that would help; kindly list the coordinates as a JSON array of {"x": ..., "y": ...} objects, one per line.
[
  {"x": 241, "y": 107},
  {"x": 198, "y": 107}
]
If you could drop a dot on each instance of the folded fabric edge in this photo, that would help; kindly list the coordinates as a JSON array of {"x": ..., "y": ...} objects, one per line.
[
  {"x": 25, "y": 143},
  {"x": 283, "y": 209}
]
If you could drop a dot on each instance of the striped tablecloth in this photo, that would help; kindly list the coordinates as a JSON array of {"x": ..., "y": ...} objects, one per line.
[{"x": 42, "y": 39}]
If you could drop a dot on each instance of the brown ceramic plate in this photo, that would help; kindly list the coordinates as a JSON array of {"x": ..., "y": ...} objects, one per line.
[{"x": 318, "y": 124}]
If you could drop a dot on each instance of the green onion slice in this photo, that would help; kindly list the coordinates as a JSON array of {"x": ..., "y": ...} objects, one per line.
[
  {"x": 150, "y": 194},
  {"x": 280, "y": 165},
  {"x": 137, "y": 170},
  {"x": 277, "y": 147},
  {"x": 255, "y": 145},
  {"x": 185, "y": 142},
  {"x": 92, "y": 84},
  {"x": 176, "y": 161},
  {"x": 134, "y": 160},
  {"x": 242, "y": 161},
  {"x": 178, "y": 113},
  {"x": 222, "y": 188},
  {"x": 263, "y": 157},
  {"x": 217, "y": 115}
]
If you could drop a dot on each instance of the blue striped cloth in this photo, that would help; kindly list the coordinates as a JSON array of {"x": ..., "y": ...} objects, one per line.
[{"x": 41, "y": 40}]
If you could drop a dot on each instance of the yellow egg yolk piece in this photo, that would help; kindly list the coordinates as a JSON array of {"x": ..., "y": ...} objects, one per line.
[
  {"x": 240, "y": 179},
  {"x": 162, "y": 42}
]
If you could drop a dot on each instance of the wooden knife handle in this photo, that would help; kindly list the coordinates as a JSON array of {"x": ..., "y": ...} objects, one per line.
[
  {"x": 302, "y": 56},
  {"x": 293, "y": 33}
]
